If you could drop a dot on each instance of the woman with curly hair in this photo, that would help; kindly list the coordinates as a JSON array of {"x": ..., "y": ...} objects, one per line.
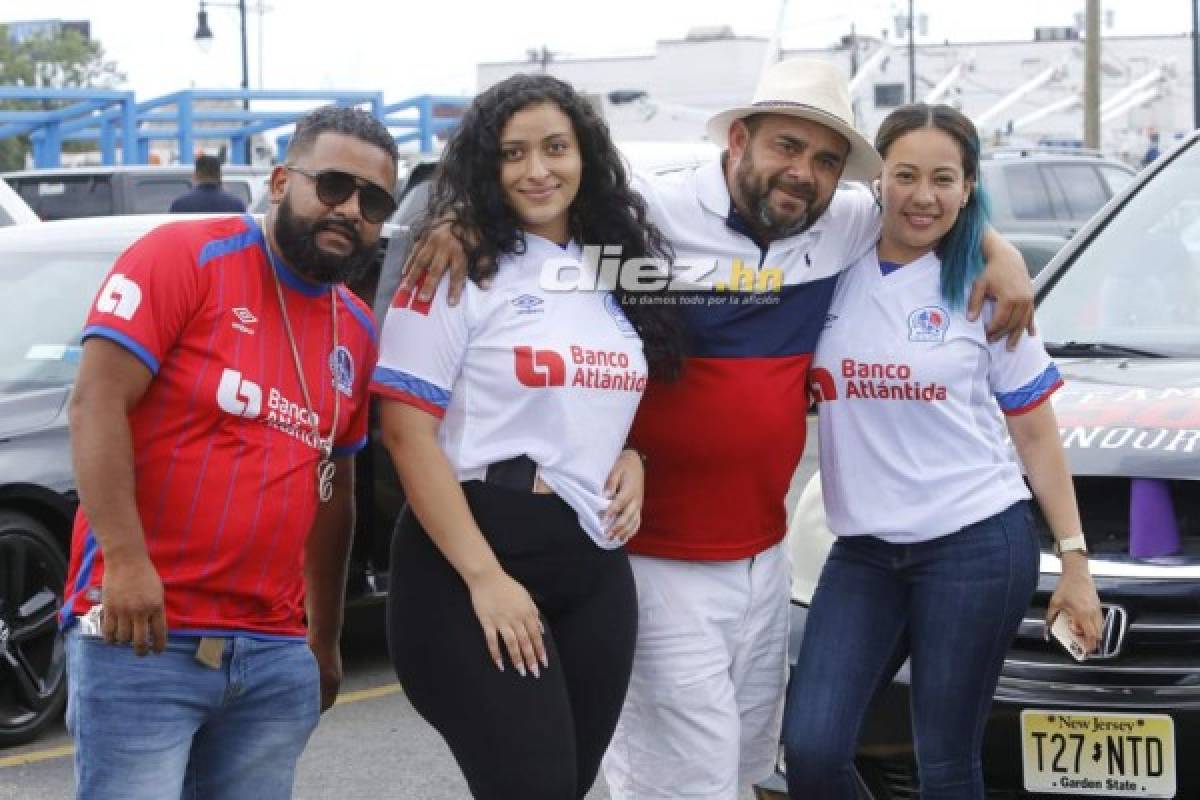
[{"x": 512, "y": 615}]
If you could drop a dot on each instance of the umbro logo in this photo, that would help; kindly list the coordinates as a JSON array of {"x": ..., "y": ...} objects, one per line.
[
  {"x": 529, "y": 304},
  {"x": 245, "y": 318}
]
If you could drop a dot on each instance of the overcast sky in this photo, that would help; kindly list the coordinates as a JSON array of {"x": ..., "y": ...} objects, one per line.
[{"x": 416, "y": 46}]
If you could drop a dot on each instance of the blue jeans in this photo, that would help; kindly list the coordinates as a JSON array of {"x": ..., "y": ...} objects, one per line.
[
  {"x": 166, "y": 726},
  {"x": 952, "y": 605}
]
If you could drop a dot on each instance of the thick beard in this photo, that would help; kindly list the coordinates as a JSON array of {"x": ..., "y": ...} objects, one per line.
[
  {"x": 756, "y": 197},
  {"x": 297, "y": 240}
]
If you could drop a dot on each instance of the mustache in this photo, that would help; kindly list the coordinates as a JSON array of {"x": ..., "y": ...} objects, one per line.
[
  {"x": 802, "y": 189},
  {"x": 345, "y": 228}
]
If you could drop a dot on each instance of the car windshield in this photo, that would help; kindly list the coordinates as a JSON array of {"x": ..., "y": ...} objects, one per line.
[
  {"x": 1136, "y": 285},
  {"x": 45, "y": 300}
]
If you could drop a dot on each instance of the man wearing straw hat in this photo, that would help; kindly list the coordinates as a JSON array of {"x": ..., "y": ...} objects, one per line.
[{"x": 701, "y": 718}]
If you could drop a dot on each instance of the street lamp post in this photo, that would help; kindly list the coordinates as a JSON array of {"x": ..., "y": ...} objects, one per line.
[{"x": 204, "y": 36}]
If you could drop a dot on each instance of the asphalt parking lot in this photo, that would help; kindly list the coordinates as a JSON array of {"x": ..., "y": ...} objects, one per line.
[{"x": 371, "y": 744}]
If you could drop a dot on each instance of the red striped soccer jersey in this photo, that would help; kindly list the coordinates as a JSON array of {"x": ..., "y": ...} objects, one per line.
[{"x": 225, "y": 458}]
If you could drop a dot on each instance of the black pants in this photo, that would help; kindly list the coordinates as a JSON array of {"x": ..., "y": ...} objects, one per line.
[{"x": 517, "y": 738}]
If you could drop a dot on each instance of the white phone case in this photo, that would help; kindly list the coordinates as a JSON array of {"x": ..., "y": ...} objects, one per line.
[{"x": 1061, "y": 630}]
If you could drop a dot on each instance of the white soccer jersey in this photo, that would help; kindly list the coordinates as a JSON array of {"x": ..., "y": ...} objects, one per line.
[
  {"x": 516, "y": 370},
  {"x": 913, "y": 445}
]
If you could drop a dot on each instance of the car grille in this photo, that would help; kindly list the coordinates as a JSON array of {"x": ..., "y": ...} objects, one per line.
[
  {"x": 1152, "y": 652},
  {"x": 896, "y": 779}
]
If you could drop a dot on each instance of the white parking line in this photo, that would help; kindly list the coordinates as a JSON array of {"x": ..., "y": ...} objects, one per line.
[{"x": 66, "y": 751}]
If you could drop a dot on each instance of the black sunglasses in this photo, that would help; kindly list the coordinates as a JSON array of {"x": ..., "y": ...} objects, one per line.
[{"x": 335, "y": 187}]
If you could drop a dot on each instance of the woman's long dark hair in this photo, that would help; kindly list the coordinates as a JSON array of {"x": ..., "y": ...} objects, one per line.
[
  {"x": 961, "y": 249},
  {"x": 605, "y": 211}
]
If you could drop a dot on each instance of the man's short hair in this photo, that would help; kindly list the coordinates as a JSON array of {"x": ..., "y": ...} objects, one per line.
[
  {"x": 339, "y": 119},
  {"x": 208, "y": 169},
  {"x": 753, "y": 122}
]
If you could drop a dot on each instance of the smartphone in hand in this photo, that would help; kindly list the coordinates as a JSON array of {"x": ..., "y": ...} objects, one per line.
[{"x": 1061, "y": 630}]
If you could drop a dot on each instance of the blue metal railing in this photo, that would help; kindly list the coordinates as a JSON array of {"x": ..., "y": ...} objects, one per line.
[{"x": 110, "y": 117}]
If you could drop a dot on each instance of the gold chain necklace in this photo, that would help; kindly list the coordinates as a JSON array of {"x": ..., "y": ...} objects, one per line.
[{"x": 326, "y": 469}]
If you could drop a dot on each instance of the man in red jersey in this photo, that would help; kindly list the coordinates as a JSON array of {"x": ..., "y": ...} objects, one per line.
[{"x": 221, "y": 396}]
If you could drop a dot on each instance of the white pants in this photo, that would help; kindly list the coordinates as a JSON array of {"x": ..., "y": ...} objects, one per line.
[{"x": 705, "y": 701}]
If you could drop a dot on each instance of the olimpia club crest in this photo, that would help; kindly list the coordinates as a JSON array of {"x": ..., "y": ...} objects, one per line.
[
  {"x": 341, "y": 367},
  {"x": 928, "y": 324}
]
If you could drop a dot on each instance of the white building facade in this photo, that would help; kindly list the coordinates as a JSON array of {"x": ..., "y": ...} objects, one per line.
[{"x": 1146, "y": 84}]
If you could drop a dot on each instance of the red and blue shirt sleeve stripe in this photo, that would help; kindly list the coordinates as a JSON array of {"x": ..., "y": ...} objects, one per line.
[
  {"x": 406, "y": 388},
  {"x": 1032, "y": 394}
]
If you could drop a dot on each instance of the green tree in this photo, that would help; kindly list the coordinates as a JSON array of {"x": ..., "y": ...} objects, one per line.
[{"x": 59, "y": 62}]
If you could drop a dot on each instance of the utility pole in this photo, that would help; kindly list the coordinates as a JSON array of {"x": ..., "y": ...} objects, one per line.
[
  {"x": 912, "y": 55},
  {"x": 853, "y": 51},
  {"x": 1196, "y": 63},
  {"x": 541, "y": 56},
  {"x": 249, "y": 155},
  {"x": 1091, "y": 77}
]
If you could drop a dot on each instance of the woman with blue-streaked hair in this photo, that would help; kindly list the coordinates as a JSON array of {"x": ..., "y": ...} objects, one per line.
[{"x": 936, "y": 557}]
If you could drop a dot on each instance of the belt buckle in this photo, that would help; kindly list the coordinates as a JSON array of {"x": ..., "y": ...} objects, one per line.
[
  {"x": 210, "y": 651},
  {"x": 518, "y": 473}
]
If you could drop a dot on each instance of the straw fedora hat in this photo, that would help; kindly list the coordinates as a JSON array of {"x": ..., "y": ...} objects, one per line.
[{"x": 813, "y": 90}]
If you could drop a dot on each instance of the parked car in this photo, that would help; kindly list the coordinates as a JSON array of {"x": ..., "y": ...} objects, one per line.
[
  {"x": 1119, "y": 308},
  {"x": 50, "y": 272},
  {"x": 72, "y": 192},
  {"x": 1049, "y": 191},
  {"x": 1036, "y": 248},
  {"x": 14, "y": 210}
]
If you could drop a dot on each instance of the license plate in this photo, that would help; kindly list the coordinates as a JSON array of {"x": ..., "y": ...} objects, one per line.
[{"x": 1101, "y": 755}]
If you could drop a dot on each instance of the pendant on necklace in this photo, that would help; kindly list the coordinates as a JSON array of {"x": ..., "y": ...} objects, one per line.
[{"x": 326, "y": 469}]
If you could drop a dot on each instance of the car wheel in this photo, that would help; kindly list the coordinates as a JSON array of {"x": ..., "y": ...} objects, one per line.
[{"x": 32, "y": 661}]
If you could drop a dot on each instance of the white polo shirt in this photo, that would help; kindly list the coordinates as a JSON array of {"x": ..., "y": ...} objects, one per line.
[
  {"x": 910, "y": 395},
  {"x": 516, "y": 370}
]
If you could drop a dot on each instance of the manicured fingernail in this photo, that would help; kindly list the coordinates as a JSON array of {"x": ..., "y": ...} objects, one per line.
[
  {"x": 546, "y": 662},
  {"x": 500, "y": 666},
  {"x": 521, "y": 670},
  {"x": 537, "y": 673}
]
